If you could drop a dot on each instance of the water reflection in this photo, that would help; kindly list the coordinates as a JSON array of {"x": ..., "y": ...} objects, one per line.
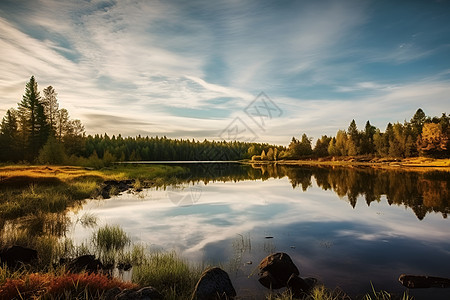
[
  {"x": 345, "y": 243},
  {"x": 423, "y": 192},
  {"x": 327, "y": 238}
]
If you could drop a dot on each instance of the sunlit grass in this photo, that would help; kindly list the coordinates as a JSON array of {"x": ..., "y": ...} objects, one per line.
[
  {"x": 26, "y": 190},
  {"x": 318, "y": 293}
]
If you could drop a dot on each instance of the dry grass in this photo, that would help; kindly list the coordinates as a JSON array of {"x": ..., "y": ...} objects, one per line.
[
  {"x": 42, "y": 174},
  {"x": 415, "y": 164}
]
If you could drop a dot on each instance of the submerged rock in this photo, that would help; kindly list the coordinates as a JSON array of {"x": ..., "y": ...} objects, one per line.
[
  {"x": 214, "y": 284},
  {"x": 275, "y": 270}
]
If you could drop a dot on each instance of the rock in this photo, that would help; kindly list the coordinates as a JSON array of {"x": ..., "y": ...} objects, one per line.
[
  {"x": 112, "y": 293},
  {"x": 214, "y": 284},
  {"x": 300, "y": 287},
  {"x": 16, "y": 255},
  {"x": 86, "y": 263},
  {"x": 145, "y": 293},
  {"x": 415, "y": 282},
  {"x": 119, "y": 185},
  {"x": 275, "y": 270}
]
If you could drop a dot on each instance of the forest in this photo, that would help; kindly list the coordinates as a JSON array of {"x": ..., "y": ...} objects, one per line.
[{"x": 39, "y": 131}]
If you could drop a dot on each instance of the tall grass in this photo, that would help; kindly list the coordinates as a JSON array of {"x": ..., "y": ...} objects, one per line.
[
  {"x": 168, "y": 273},
  {"x": 383, "y": 295},
  {"x": 110, "y": 238},
  {"x": 318, "y": 293}
]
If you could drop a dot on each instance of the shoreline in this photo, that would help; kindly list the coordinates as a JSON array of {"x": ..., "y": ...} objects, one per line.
[{"x": 407, "y": 164}]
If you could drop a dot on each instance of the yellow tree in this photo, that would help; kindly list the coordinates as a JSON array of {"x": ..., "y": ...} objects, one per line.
[{"x": 433, "y": 141}]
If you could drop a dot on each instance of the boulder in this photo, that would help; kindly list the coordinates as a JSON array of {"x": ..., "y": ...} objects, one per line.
[
  {"x": 275, "y": 270},
  {"x": 86, "y": 263},
  {"x": 214, "y": 284},
  {"x": 120, "y": 186},
  {"x": 145, "y": 293},
  {"x": 16, "y": 255}
]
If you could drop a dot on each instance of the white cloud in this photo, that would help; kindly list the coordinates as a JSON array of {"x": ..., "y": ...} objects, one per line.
[{"x": 148, "y": 61}]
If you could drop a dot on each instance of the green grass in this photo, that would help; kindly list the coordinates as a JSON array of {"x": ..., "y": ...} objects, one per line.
[
  {"x": 168, "y": 273},
  {"x": 142, "y": 172},
  {"x": 110, "y": 238}
]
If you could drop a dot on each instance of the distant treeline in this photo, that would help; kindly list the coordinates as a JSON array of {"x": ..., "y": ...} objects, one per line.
[
  {"x": 421, "y": 136},
  {"x": 38, "y": 131}
]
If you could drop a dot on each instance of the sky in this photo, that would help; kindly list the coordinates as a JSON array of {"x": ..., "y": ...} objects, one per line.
[{"x": 261, "y": 71}]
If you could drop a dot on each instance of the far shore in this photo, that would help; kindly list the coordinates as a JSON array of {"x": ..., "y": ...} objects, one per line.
[{"x": 412, "y": 163}]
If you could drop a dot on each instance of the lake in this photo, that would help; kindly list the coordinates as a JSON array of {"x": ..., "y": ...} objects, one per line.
[{"x": 347, "y": 227}]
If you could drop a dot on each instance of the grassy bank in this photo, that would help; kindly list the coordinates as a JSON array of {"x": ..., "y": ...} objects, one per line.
[
  {"x": 26, "y": 190},
  {"x": 167, "y": 272}
]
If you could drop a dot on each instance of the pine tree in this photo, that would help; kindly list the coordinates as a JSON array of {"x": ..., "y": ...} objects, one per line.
[
  {"x": 8, "y": 137},
  {"x": 34, "y": 125},
  {"x": 417, "y": 122}
]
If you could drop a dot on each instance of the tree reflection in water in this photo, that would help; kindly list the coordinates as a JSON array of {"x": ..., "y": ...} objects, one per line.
[{"x": 424, "y": 192}]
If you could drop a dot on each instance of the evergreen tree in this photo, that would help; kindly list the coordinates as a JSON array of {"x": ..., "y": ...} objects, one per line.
[
  {"x": 417, "y": 122},
  {"x": 8, "y": 137},
  {"x": 321, "y": 147},
  {"x": 34, "y": 121},
  {"x": 367, "y": 143}
]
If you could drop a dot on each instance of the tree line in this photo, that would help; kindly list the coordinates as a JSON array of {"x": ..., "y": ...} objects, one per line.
[
  {"x": 421, "y": 136},
  {"x": 39, "y": 131}
]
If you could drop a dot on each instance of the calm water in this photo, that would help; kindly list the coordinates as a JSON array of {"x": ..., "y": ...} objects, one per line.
[{"x": 346, "y": 227}]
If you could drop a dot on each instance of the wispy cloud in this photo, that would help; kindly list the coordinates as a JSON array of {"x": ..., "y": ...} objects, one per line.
[{"x": 152, "y": 62}]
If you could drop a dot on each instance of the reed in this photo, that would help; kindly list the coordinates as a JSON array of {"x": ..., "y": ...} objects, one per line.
[
  {"x": 110, "y": 237},
  {"x": 168, "y": 273}
]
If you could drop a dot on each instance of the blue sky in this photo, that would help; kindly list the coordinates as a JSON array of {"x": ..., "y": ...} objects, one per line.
[{"x": 189, "y": 69}]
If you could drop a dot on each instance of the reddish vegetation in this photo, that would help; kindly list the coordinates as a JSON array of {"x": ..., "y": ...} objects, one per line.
[{"x": 49, "y": 285}]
